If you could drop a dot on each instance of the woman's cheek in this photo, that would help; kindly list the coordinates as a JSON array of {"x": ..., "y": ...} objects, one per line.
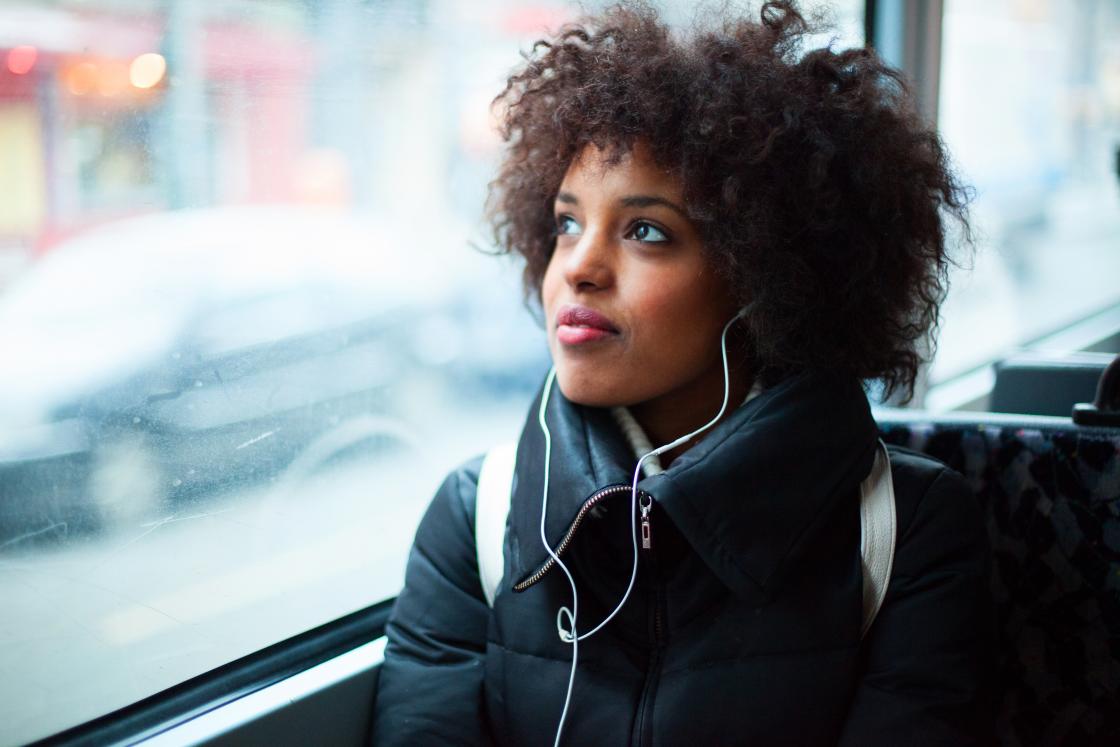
[
  {"x": 660, "y": 331},
  {"x": 548, "y": 307}
]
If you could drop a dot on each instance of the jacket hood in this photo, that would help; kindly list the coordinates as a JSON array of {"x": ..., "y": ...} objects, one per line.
[{"x": 748, "y": 498}]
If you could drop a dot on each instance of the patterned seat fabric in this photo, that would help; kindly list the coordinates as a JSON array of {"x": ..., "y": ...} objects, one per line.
[{"x": 1051, "y": 494}]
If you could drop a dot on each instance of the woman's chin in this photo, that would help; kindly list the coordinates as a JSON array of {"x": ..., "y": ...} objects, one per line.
[{"x": 591, "y": 391}]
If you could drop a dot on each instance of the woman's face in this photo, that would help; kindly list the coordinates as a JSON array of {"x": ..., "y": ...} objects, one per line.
[{"x": 633, "y": 310}]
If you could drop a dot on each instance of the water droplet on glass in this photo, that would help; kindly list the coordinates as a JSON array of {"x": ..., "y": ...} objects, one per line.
[{"x": 176, "y": 482}]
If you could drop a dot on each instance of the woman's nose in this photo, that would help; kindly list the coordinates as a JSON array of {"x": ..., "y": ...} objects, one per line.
[{"x": 589, "y": 265}]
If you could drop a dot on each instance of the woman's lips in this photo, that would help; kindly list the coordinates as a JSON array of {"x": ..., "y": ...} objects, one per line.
[
  {"x": 576, "y": 325},
  {"x": 568, "y": 335}
]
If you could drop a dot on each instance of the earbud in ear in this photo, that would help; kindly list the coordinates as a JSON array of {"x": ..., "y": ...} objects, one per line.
[{"x": 743, "y": 312}]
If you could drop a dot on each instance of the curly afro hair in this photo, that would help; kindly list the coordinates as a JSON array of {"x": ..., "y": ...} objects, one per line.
[{"x": 818, "y": 189}]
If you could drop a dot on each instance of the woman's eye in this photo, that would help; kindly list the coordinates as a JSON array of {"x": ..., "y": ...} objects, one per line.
[
  {"x": 648, "y": 233},
  {"x": 566, "y": 225}
]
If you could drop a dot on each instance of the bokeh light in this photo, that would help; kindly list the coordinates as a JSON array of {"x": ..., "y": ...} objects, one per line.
[
  {"x": 81, "y": 78},
  {"x": 147, "y": 70},
  {"x": 22, "y": 59}
]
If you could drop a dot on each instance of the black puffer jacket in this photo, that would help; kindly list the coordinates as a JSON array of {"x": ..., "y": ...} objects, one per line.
[{"x": 744, "y": 624}]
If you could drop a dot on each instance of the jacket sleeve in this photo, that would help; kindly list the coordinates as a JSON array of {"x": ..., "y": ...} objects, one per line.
[
  {"x": 430, "y": 684},
  {"x": 927, "y": 670}
]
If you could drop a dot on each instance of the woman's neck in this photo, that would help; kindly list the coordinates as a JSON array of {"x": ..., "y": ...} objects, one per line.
[{"x": 682, "y": 411}]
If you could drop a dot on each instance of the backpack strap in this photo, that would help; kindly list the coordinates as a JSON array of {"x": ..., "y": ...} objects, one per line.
[
  {"x": 878, "y": 526},
  {"x": 877, "y": 530},
  {"x": 495, "y": 487}
]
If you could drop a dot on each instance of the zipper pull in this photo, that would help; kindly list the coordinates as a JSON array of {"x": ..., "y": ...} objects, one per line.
[{"x": 647, "y": 541}]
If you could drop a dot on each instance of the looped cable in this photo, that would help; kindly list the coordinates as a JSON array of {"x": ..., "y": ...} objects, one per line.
[{"x": 567, "y": 636}]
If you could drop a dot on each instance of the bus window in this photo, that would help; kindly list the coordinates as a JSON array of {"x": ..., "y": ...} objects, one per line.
[{"x": 1041, "y": 149}]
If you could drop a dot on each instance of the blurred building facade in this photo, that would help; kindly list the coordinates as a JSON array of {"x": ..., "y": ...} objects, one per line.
[{"x": 127, "y": 108}]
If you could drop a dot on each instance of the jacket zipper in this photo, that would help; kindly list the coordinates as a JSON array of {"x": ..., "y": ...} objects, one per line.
[
  {"x": 589, "y": 504},
  {"x": 645, "y": 503},
  {"x": 643, "y": 731}
]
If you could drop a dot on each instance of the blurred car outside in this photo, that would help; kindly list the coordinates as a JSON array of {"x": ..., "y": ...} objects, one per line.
[{"x": 178, "y": 356}]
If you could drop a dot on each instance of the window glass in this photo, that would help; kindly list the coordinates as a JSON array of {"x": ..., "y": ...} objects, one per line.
[
  {"x": 1042, "y": 148},
  {"x": 244, "y": 330}
]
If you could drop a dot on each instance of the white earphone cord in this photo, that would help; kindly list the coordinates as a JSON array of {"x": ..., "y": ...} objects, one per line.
[
  {"x": 556, "y": 558},
  {"x": 573, "y": 637}
]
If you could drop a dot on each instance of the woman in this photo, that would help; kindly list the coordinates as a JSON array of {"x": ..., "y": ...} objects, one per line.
[{"x": 706, "y": 219}]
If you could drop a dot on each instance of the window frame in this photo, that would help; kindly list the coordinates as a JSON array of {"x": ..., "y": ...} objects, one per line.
[{"x": 219, "y": 687}]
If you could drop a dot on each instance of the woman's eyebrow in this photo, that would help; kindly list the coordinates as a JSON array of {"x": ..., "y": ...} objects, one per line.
[
  {"x": 648, "y": 200},
  {"x": 629, "y": 201}
]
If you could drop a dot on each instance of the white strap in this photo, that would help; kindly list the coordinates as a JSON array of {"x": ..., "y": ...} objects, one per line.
[
  {"x": 495, "y": 486},
  {"x": 876, "y": 518},
  {"x": 877, "y": 534}
]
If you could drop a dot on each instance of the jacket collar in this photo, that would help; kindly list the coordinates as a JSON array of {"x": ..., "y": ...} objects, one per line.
[{"x": 748, "y": 498}]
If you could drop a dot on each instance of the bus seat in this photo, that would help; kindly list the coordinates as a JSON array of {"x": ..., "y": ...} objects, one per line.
[
  {"x": 1046, "y": 384},
  {"x": 1050, "y": 490}
]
